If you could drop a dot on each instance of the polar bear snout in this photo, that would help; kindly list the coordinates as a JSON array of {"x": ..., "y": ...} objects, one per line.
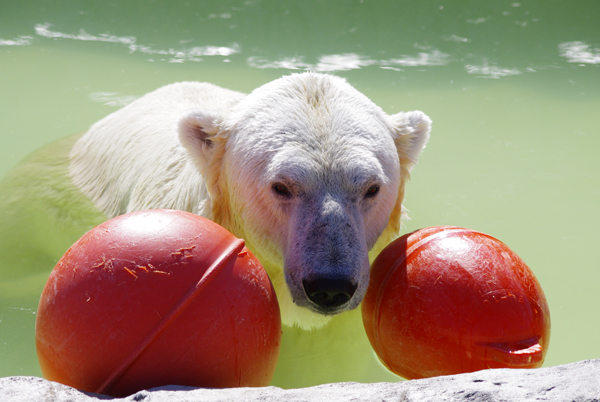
[
  {"x": 329, "y": 294},
  {"x": 326, "y": 262}
]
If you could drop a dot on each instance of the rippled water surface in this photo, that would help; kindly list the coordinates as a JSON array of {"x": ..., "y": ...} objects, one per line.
[{"x": 513, "y": 89}]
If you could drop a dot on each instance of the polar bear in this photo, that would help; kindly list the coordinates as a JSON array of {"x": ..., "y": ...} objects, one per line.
[{"x": 306, "y": 169}]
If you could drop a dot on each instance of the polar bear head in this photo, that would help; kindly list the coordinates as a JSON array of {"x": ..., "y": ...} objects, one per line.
[{"x": 311, "y": 174}]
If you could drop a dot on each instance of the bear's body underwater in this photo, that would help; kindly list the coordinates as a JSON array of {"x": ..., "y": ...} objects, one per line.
[{"x": 305, "y": 168}]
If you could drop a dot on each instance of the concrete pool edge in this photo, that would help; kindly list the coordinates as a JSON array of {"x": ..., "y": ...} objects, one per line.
[{"x": 574, "y": 381}]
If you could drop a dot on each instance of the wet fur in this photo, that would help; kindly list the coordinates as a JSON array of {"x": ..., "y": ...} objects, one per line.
[{"x": 216, "y": 152}]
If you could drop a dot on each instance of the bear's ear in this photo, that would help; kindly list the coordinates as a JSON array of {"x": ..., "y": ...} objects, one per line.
[
  {"x": 196, "y": 133},
  {"x": 411, "y": 130}
]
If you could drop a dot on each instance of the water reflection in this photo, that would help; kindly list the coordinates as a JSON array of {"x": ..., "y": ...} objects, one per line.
[
  {"x": 112, "y": 98},
  {"x": 351, "y": 61},
  {"x": 191, "y": 54},
  {"x": 573, "y": 51},
  {"x": 488, "y": 71},
  {"x": 44, "y": 30},
  {"x": 579, "y": 52},
  {"x": 326, "y": 63},
  {"x": 432, "y": 58},
  {"x": 20, "y": 41}
]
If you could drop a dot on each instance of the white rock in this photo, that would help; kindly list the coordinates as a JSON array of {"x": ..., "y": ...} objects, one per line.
[{"x": 571, "y": 382}]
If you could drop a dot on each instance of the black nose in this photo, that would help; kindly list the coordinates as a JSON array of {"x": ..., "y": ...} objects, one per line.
[{"x": 329, "y": 293}]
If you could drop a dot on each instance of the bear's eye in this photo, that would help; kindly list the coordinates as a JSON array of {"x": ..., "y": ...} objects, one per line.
[
  {"x": 372, "y": 191},
  {"x": 281, "y": 190}
]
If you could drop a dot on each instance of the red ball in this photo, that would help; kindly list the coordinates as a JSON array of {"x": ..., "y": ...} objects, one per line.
[
  {"x": 448, "y": 300},
  {"x": 154, "y": 298}
]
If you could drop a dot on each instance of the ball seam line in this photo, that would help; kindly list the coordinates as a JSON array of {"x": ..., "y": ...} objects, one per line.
[{"x": 232, "y": 251}]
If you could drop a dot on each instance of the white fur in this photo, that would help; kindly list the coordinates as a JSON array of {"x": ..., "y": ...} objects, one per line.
[
  {"x": 133, "y": 159},
  {"x": 219, "y": 153}
]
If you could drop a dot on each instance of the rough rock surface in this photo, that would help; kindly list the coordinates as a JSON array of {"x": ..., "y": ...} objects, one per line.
[{"x": 572, "y": 382}]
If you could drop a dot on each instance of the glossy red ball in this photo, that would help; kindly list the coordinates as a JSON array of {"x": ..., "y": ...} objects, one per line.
[
  {"x": 448, "y": 300},
  {"x": 154, "y": 298}
]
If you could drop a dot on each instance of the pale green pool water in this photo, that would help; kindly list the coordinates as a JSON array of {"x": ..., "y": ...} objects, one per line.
[{"x": 513, "y": 89}]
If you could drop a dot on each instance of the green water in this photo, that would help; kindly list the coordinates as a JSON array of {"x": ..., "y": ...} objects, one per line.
[{"x": 513, "y": 89}]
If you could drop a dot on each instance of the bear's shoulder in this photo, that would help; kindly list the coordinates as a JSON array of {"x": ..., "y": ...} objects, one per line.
[{"x": 132, "y": 159}]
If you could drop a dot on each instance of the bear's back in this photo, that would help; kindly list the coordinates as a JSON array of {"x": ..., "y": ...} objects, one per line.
[{"x": 132, "y": 159}]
